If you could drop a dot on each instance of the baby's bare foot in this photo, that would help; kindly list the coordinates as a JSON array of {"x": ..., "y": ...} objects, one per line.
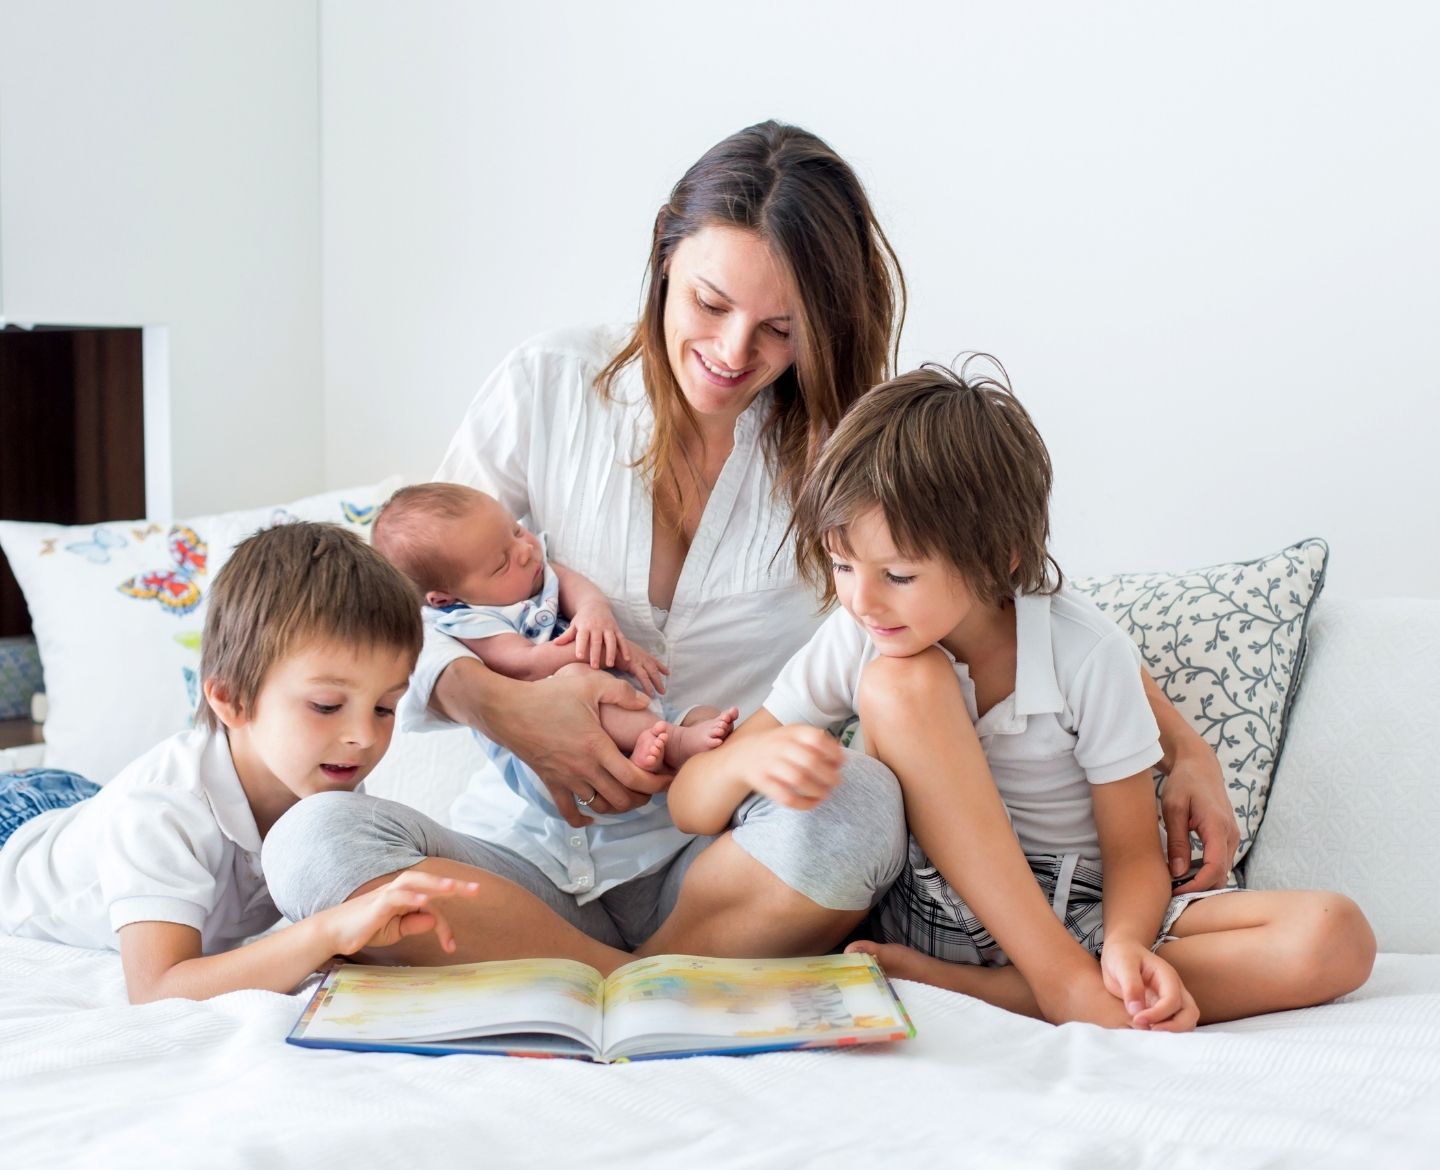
[
  {"x": 705, "y": 728},
  {"x": 650, "y": 744}
]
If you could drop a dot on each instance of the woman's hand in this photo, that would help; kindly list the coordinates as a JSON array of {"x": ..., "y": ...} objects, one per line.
[
  {"x": 1154, "y": 996},
  {"x": 554, "y": 726},
  {"x": 1193, "y": 797},
  {"x": 391, "y": 912},
  {"x": 560, "y": 737}
]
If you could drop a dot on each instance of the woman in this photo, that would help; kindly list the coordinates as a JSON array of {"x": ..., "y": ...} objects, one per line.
[{"x": 662, "y": 466}]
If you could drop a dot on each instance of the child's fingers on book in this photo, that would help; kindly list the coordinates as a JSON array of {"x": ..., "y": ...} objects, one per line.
[{"x": 443, "y": 934}]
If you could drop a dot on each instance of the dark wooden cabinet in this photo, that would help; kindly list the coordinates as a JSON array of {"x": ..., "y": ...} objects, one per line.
[{"x": 72, "y": 434}]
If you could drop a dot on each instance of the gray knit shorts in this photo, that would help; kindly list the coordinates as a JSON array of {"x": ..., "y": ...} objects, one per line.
[{"x": 843, "y": 854}]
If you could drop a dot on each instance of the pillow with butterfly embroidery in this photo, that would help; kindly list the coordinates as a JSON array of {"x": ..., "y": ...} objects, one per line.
[{"x": 118, "y": 609}]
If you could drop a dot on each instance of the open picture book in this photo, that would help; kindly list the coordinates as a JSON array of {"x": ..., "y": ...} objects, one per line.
[{"x": 664, "y": 1006}]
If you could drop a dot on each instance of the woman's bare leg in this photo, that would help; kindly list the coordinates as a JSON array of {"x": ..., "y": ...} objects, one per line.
[
  {"x": 503, "y": 922},
  {"x": 732, "y": 905}
]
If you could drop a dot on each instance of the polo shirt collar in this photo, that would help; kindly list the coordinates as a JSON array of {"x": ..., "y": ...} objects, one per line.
[
  {"x": 1037, "y": 691},
  {"x": 227, "y": 796}
]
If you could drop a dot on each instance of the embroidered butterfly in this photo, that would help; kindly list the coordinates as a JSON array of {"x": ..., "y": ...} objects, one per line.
[
  {"x": 361, "y": 514},
  {"x": 145, "y": 533},
  {"x": 192, "y": 686},
  {"x": 175, "y": 589},
  {"x": 96, "y": 550}
]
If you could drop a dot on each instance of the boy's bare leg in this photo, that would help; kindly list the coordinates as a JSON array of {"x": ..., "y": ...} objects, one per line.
[
  {"x": 1257, "y": 951},
  {"x": 915, "y": 721},
  {"x": 1004, "y": 987},
  {"x": 733, "y": 906},
  {"x": 503, "y": 922}
]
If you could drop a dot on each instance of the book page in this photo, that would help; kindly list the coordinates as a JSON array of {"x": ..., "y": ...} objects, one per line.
[
  {"x": 672, "y": 1002},
  {"x": 360, "y": 1003}
]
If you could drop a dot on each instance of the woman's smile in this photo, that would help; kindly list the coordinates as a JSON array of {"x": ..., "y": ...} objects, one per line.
[
  {"x": 727, "y": 319},
  {"x": 721, "y": 375}
]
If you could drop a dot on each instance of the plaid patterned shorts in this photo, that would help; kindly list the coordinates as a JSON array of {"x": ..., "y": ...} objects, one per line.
[{"x": 921, "y": 909}]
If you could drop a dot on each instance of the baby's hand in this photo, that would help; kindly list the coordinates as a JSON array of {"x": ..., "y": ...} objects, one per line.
[
  {"x": 391, "y": 912},
  {"x": 795, "y": 765},
  {"x": 1150, "y": 988},
  {"x": 596, "y": 635},
  {"x": 647, "y": 670}
]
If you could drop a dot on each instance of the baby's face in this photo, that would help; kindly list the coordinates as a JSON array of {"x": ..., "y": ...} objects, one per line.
[{"x": 497, "y": 562}]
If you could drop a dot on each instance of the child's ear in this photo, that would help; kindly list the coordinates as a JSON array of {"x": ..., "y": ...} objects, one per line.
[
  {"x": 217, "y": 694},
  {"x": 438, "y": 600}
]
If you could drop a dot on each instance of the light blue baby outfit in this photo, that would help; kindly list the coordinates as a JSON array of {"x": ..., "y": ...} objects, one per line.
[{"x": 536, "y": 618}]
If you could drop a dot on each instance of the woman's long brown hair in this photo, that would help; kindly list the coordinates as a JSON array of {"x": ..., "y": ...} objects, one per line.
[{"x": 804, "y": 201}]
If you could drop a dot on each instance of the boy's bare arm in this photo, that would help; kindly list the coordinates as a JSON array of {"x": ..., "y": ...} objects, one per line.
[
  {"x": 1137, "y": 887},
  {"x": 796, "y": 766},
  {"x": 1136, "y": 893},
  {"x": 515, "y": 656},
  {"x": 162, "y": 960}
]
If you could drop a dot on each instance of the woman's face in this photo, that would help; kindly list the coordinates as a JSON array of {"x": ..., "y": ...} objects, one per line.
[{"x": 728, "y": 319}]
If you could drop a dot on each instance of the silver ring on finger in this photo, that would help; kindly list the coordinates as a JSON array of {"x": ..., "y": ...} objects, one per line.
[{"x": 588, "y": 801}]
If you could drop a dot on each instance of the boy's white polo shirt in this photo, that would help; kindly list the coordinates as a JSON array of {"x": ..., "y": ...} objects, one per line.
[
  {"x": 1078, "y": 715},
  {"x": 170, "y": 839}
]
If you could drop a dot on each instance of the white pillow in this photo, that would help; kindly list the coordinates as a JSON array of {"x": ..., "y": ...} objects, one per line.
[
  {"x": 1355, "y": 802},
  {"x": 1226, "y": 643},
  {"x": 118, "y": 609}
]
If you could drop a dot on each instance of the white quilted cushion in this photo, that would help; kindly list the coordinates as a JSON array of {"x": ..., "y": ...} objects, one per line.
[{"x": 1356, "y": 799}]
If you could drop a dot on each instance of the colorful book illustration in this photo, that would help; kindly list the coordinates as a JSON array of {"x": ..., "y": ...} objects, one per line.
[{"x": 665, "y": 1006}]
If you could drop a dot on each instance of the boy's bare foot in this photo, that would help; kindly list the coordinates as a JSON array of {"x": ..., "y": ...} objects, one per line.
[
  {"x": 1002, "y": 986},
  {"x": 649, "y": 752},
  {"x": 704, "y": 728}
]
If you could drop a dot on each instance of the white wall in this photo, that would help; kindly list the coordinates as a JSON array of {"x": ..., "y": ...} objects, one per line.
[
  {"x": 159, "y": 165},
  {"x": 1204, "y": 239}
]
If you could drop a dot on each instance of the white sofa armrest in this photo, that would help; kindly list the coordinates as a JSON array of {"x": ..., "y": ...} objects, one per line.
[{"x": 1356, "y": 800}]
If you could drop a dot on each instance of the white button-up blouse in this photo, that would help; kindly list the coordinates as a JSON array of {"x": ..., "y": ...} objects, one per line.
[{"x": 539, "y": 438}]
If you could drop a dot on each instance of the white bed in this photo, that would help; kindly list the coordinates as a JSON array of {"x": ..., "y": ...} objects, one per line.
[{"x": 88, "y": 1081}]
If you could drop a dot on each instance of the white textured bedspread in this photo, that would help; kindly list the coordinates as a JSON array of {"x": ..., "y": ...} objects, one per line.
[{"x": 86, "y": 1080}]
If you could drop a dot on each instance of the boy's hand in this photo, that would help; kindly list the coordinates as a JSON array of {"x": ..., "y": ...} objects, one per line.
[
  {"x": 794, "y": 765},
  {"x": 1151, "y": 990},
  {"x": 393, "y": 911},
  {"x": 596, "y": 635},
  {"x": 1078, "y": 994}
]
